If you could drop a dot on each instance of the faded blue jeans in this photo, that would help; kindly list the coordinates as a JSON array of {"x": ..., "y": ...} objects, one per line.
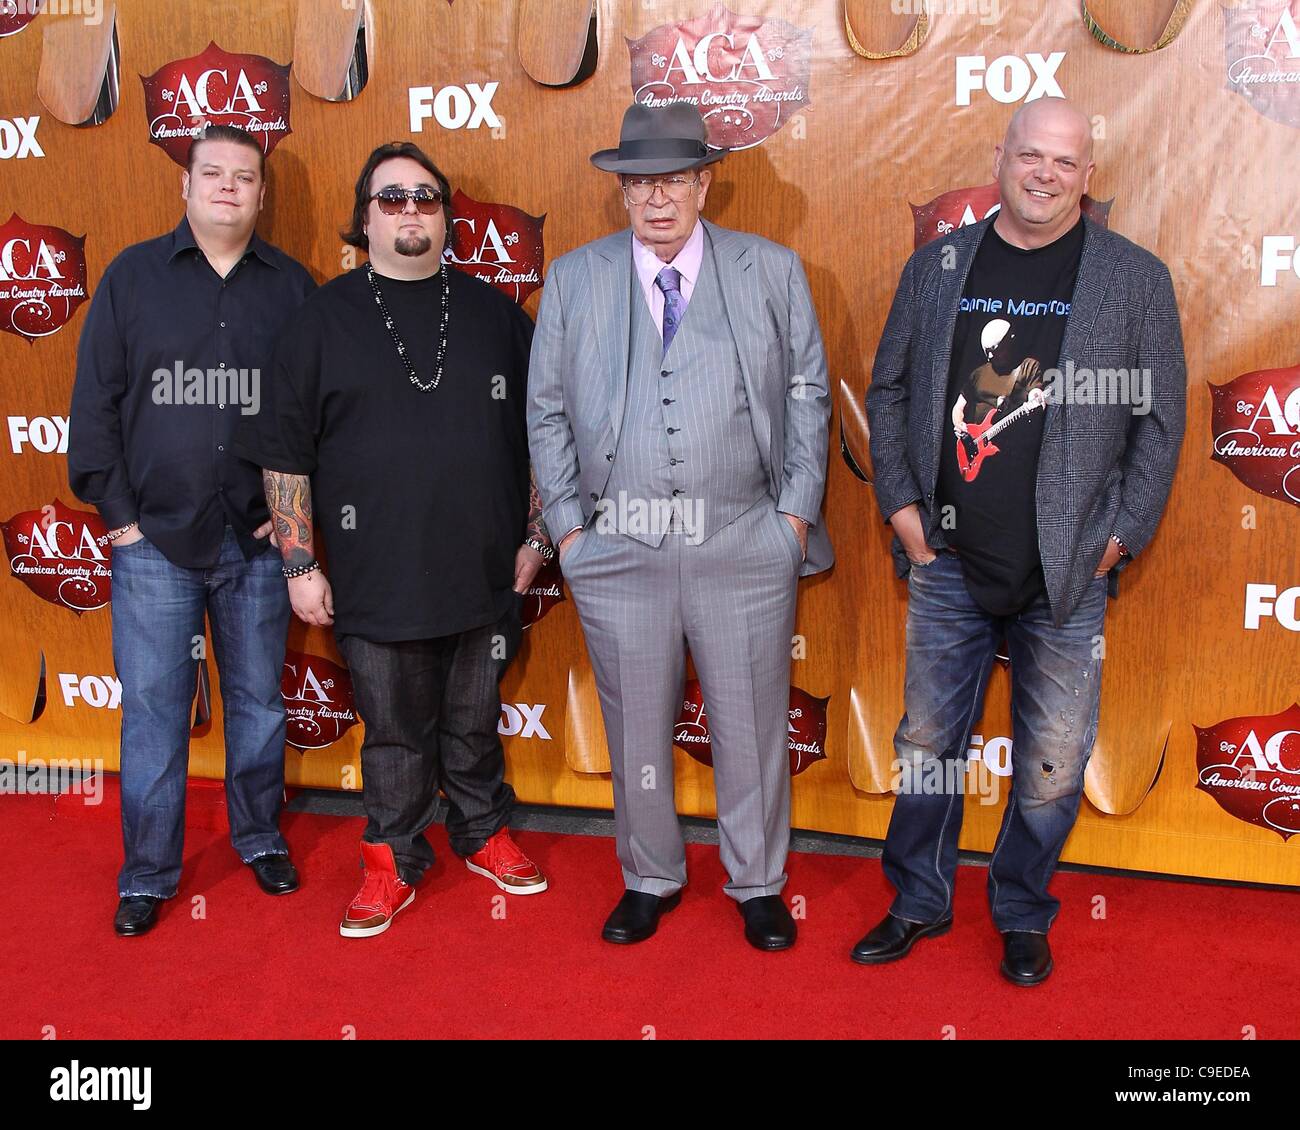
[
  {"x": 158, "y": 611},
  {"x": 1055, "y": 697}
]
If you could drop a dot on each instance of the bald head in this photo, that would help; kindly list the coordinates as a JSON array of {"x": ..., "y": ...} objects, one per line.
[
  {"x": 1056, "y": 116},
  {"x": 1043, "y": 167}
]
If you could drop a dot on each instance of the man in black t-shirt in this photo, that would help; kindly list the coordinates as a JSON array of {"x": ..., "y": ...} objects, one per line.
[
  {"x": 396, "y": 419},
  {"x": 1011, "y": 508}
]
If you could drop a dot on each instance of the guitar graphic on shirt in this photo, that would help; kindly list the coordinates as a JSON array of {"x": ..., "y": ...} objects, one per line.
[{"x": 977, "y": 444}]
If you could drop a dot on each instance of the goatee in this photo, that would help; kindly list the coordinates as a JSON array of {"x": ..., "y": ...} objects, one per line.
[{"x": 413, "y": 246}]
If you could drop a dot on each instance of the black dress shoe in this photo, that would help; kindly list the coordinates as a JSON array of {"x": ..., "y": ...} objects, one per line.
[
  {"x": 1026, "y": 957},
  {"x": 893, "y": 938},
  {"x": 136, "y": 914},
  {"x": 636, "y": 916},
  {"x": 768, "y": 925},
  {"x": 275, "y": 874}
]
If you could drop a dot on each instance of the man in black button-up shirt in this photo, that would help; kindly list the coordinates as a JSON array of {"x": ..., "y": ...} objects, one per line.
[{"x": 171, "y": 355}]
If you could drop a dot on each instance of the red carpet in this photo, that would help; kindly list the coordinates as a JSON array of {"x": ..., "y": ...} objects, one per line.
[{"x": 1170, "y": 960}]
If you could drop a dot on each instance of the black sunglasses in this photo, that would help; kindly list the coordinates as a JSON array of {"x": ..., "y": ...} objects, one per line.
[{"x": 393, "y": 200}]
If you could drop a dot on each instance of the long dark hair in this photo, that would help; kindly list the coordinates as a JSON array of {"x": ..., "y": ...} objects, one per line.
[{"x": 355, "y": 233}]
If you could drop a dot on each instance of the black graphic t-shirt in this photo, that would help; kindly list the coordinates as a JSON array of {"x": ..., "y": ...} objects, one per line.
[{"x": 1008, "y": 333}]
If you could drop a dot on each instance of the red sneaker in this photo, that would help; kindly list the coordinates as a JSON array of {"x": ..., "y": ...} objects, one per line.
[
  {"x": 509, "y": 868},
  {"x": 383, "y": 893}
]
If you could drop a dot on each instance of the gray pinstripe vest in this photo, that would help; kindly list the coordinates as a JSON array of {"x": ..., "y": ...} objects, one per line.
[{"x": 687, "y": 434}]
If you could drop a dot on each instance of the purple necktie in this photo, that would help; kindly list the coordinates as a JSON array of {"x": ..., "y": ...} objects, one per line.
[{"x": 669, "y": 281}]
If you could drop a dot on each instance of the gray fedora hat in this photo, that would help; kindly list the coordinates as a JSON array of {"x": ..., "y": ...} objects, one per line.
[{"x": 659, "y": 139}]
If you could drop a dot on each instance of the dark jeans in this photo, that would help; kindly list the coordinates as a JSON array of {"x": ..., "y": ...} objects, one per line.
[
  {"x": 158, "y": 612},
  {"x": 1055, "y": 697},
  {"x": 431, "y": 710}
]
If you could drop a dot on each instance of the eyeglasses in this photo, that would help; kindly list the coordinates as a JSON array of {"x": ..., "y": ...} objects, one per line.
[
  {"x": 393, "y": 200},
  {"x": 638, "y": 190}
]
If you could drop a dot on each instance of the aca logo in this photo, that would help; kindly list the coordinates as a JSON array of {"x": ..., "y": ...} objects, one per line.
[
  {"x": 543, "y": 594},
  {"x": 16, "y": 15},
  {"x": 806, "y": 727},
  {"x": 961, "y": 207},
  {"x": 42, "y": 277},
  {"x": 1261, "y": 43},
  {"x": 318, "y": 702},
  {"x": 217, "y": 88},
  {"x": 747, "y": 75},
  {"x": 62, "y": 555},
  {"x": 1255, "y": 425},
  {"x": 1251, "y": 767},
  {"x": 1009, "y": 78},
  {"x": 497, "y": 243}
]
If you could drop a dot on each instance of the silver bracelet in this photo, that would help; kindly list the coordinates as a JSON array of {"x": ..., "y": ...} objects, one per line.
[
  {"x": 539, "y": 546},
  {"x": 300, "y": 570},
  {"x": 113, "y": 535}
]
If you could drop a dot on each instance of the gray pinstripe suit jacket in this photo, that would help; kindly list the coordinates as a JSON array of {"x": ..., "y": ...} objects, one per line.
[
  {"x": 577, "y": 377},
  {"x": 1102, "y": 469}
]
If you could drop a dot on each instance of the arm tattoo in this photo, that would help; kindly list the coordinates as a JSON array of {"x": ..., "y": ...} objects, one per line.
[
  {"x": 536, "y": 527},
  {"x": 288, "y": 497}
]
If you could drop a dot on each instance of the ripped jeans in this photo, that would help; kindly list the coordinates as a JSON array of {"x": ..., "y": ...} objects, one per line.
[{"x": 1055, "y": 697}]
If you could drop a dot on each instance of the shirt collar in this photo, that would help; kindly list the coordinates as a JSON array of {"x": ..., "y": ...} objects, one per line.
[
  {"x": 183, "y": 240},
  {"x": 687, "y": 261}
]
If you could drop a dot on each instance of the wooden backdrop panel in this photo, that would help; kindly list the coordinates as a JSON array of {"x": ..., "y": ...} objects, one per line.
[{"x": 1192, "y": 170}]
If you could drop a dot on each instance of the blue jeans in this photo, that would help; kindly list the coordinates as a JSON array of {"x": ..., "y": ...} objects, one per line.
[
  {"x": 158, "y": 613},
  {"x": 1055, "y": 697}
]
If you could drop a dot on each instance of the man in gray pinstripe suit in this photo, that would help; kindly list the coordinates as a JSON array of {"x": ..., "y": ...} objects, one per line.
[
  {"x": 678, "y": 417},
  {"x": 1062, "y": 340}
]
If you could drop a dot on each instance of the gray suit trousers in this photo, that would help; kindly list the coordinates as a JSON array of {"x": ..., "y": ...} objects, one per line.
[{"x": 731, "y": 600}]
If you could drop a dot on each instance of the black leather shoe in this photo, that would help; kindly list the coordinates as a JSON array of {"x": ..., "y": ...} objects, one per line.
[
  {"x": 893, "y": 938},
  {"x": 768, "y": 925},
  {"x": 1026, "y": 957},
  {"x": 275, "y": 874},
  {"x": 135, "y": 915},
  {"x": 636, "y": 916}
]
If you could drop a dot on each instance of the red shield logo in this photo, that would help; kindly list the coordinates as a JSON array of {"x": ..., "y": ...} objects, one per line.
[
  {"x": 1251, "y": 766},
  {"x": 62, "y": 555},
  {"x": 747, "y": 75},
  {"x": 17, "y": 14},
  {"x": 42, "y": 277},
  {"x": 807, "y": 728},
  {"x": 1255, "y": 423},
  {"x": 543, "y": 594},
  {"x": 1261, "y": 43},
  {"x": 961, "y": 207},
  {"x": 317, "y": 700},
  {"x": 248, "y": 91},
  {"x": 498, "y": 244}
]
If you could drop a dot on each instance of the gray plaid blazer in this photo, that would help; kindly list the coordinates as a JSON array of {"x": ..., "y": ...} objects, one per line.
[{"x": 1103, "y": 469}]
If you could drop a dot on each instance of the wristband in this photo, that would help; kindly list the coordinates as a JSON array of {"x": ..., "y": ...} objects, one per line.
[{"x": 300, "y": 570}]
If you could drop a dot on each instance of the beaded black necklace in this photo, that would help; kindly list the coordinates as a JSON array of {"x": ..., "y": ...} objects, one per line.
[{"x": 397, "y": 339}]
